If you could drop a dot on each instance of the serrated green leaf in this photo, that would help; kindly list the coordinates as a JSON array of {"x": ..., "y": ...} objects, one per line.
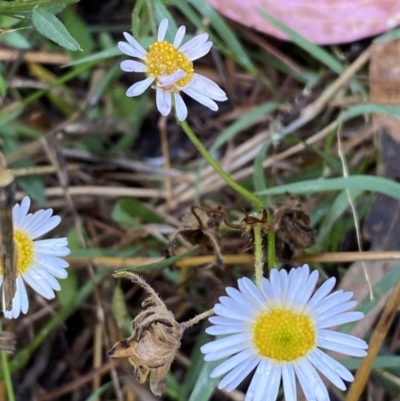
[{"x": 52, "y": 28}]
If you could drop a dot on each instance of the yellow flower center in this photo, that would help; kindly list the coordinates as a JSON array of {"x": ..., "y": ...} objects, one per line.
[
  {"x": 23, "y": 249},
  {"x": 284, "y": 335},
  {"x": 163, "y": 59}
]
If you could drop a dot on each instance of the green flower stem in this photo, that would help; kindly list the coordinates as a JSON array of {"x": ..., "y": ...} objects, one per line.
[
  {"x": 258, "y": 253},
  {"x": 7, "y": 374},
  {"x": 29, "y": 5},
  {"x": 232, "y": 183},
  {"x": 271, "y": 247}
]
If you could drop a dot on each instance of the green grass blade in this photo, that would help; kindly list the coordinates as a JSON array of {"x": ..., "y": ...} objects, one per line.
[
  {"x": 316, "y": 51},
  {"x": 254, "y": 116},
  {"x": 205, "y": 386},
  {"x": 386, "y": 109},
  {"x": 360, "y": 182}
]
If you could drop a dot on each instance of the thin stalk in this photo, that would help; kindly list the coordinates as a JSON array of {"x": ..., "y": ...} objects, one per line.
[
  {"x": 197, "y": 319},
  {"x": 218, "y": 169},
  {"x": 7, "y": 373},
  {"x": 271, "y": 246},
  {"x": 258, "y": 253}
]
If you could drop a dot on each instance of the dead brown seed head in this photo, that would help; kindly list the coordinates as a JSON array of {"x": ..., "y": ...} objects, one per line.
[
  {"x": 201, "y": 227},
  {"x": 155, "y": 340}
]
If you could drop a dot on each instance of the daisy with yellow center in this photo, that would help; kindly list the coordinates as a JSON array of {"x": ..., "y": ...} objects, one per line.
[
  {"x": 277, "y": 329},
  {"x": 38, "y": 262},
  {"x": 169, "y": 67}
]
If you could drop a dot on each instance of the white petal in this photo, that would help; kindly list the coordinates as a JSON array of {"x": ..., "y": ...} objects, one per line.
[
  {"x": 223, "y": 353},
  {"x": 341, "y": 342},
  {"x": 238, "y": 374},
  {"x": 332, "y": 300},
  {"x": 163, "y": 101},
  {"x": 133, "y": 66},
  {"x": 222, "y": 320},
  {"x": 226, "y": 312},
  {"x": 19, "y": 212},
  {"x": 37, "y": 283},
  {"x": 225, "y": 342},
  {"x": 337, "y": 320},
  {"x": 237, "y": 307},
  {"x": 338, "y": 309},
  {"x": 327, "y": 370},
  {"x": 203, "y": 99},
  {"x": 296, "y": 284},
  {"x": 252, "y": 294},
  {"x": 322, "y": 292},
  {"x": 232, "y": 363},
  {"x": 200, "y": 51},
  {"x": 23, "y": 295},
  {"x": 284, "y": 282},
  {"x": 137, "y": 49},
  {"x": 343, "y": 372},
  {"x": 53, "y": 247},
  {"x": 342, "y": 338},
  {"x": 308, "y": 288},
  {"x": 275, "y": 283},
  {"x": 139, "y": 87},
  {"x": 190, "y": 47},
  {"x": 272, "y": 388},
  {"x": 259, "y": 375},
  {"x": 311, "y": 383},
  {"x": 179, "y": 36},
  {"x": 207, "y": 87},
  {"x": 162, "y": 29},
  {"x": 266, "y": 290},
  {"x": 171, "y": 79},
  {"x": 263, "y": 380},
  {"x": 180, "y": 107},
  {"x": 224, "y": 330},
  {"x": 289, "y": 382}
]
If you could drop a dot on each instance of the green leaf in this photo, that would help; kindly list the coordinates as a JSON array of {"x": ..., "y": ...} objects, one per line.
[
  {"x": 196, "y": 366},
  {"x": 52, "y": 28},
  {"x": 69, "y": 288},
  {"x": 3, "y": 86},
  {"x": 254, "y": 116},
  {"x": 205, "y": 386},
  {"x": 387, "y": 109},
  {"x": 361, "y": 182},
  {"x": 132, "y": 212},
  {"x": 75, "y": 24}
]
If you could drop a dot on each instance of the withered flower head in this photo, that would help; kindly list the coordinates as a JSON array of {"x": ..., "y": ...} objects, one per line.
[
  {"x": 291, "y": 225},
  {"x": 156, "y": 338},
  {"x": 201, "y": 227}
]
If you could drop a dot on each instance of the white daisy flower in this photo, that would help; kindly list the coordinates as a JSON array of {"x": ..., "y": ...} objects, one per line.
[
  {"x": 38, "y": 262},
  {"x": 279, "y": 329},
  {"x": 169, "y": 66}
]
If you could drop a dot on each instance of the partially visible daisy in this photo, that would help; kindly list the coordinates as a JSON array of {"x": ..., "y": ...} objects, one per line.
[
  {"x": 279, "y": 329},
  {"x": 38, "y": 262},
  {"x": 169, "y": 66}
]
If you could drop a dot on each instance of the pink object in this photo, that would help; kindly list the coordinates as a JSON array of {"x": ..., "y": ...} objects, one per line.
[{"x": 320, "y": 21}]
